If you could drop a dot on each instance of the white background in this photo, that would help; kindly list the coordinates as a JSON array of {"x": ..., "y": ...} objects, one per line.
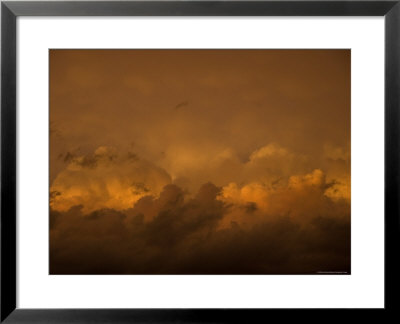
[{"x": 363, "y": 288}]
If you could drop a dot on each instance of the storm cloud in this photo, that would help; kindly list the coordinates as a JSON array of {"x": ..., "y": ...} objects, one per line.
[
  {"x": 200, "y": 162},
  {"x": 288, "y": 226},
  {"x": 174, "y": 234}
]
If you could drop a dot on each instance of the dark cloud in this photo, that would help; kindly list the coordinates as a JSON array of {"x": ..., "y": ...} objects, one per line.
[{"x": 184, "y": 238}]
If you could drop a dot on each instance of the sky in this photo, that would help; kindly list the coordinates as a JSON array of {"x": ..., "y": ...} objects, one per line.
[{"x": 199, "y": 161}]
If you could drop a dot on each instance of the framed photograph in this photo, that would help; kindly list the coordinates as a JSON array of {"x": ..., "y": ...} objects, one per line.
[{"x": 198, "y": 161}]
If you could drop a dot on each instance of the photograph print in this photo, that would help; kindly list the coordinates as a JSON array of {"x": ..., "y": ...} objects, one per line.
[{"x": 200, "y": 161}]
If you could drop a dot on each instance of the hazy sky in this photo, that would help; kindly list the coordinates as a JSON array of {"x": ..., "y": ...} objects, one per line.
[{"x": 166, "y": 161}]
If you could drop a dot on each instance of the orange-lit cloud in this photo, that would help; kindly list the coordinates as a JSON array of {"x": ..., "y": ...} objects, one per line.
[
  {"x": 199, "y": 161},
  {"x": 106, "y": 179},
  {"x": 175, "y": 234}
]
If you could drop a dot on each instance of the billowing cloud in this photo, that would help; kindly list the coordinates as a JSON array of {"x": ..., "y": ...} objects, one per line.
[
  {"x": 108, "y": 216},
  {"x": 175, "y": 234},
  {"x": 199, "y": 161},
  {"x": 300, "y": 198},
  {"x": 105, "y": 179}
]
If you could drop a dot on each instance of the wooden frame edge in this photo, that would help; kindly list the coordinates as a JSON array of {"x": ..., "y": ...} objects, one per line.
[{"x": 11, "y": 10}]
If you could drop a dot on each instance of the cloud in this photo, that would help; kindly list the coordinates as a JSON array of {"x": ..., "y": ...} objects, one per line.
[
  {"x": 269, "y": 181},
  {"x": 300, "y": 198},
  {"x": 106, "y": 179},
  {"x": 337, "y": 152},
  {"x": 175, "y": 233},
  {"x": 249, "y": 174}
]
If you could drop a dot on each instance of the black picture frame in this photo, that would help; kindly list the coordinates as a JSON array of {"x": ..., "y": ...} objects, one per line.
[{"x": 10, "y": 10}]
